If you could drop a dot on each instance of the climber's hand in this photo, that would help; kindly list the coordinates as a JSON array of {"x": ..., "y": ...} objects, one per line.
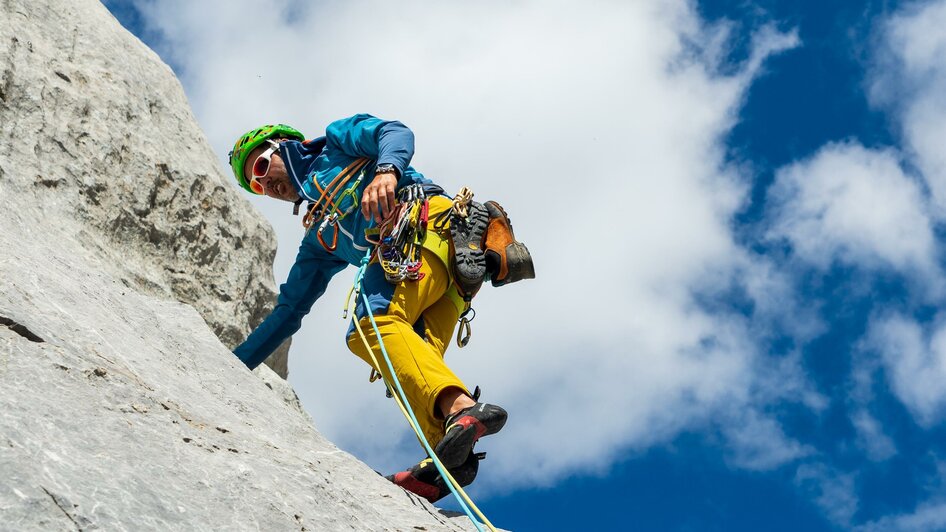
[{"x": 378, "y": 199}]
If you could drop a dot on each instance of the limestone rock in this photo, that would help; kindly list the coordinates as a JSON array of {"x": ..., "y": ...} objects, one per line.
[
  {"x": 122, "y": 253},
  {"x": 98, "y": 141}
]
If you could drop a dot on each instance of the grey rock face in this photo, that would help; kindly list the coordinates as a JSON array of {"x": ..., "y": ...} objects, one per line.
[
  {"x": 120, "y": 409},
  {"x": 98, "y": 140},
  {"x": 124, "y": 412}
]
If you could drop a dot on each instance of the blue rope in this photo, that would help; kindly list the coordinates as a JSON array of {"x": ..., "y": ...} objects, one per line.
[{"x": 359, "y": 277}]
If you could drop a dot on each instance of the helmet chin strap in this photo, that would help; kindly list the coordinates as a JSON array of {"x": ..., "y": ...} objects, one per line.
[{"x": 295, "y": 206}]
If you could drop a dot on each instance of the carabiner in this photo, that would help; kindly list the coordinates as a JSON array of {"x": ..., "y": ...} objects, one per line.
[
  {"x": 311, "y": 214},
  {"x": 464, "y": 331},
  {"x": 329, "y": 220}
]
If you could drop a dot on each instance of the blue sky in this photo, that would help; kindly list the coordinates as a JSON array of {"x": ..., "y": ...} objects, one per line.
[{"x": 774, "y": 330}]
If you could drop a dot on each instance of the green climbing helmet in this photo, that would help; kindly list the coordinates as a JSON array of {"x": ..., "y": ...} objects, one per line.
[{"x": 253, "y": 138}]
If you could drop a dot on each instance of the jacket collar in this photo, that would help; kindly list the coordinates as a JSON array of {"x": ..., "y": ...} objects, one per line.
[{"x": 299, "y": 157}]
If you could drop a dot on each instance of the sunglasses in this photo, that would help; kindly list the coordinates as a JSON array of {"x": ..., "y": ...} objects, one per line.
[{"x": 261, "y": 167}]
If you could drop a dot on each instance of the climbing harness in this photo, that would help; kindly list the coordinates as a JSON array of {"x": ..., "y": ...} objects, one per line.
[
  {"x": 398, "y": 241},
  {"x": 403, "y": 233},
  {"x": 401, "y": 398}
]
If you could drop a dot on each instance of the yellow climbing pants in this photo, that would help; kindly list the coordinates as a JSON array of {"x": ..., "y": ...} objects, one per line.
[{"x": 416, "y": 320}]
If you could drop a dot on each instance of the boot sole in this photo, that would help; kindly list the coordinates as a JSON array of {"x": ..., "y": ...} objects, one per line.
[
  {"x": 469, "y": 256},
  {"x": 464, "y": 475},
  {"x": 437, "y": 489},
  {"x": 457, "y": 445}
]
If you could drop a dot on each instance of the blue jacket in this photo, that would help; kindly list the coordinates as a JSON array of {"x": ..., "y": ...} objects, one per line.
[{"x": 312, "y": 165}]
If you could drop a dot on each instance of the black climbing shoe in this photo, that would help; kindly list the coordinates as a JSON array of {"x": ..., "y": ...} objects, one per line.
[
  {"x": 469, "y": 265},
  {"x": 464, "y": 428},
  {"x": 423, "y": 479},
  {"x": 507, "y": 260}
]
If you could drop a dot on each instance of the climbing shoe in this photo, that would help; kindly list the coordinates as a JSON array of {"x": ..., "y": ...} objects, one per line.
[
  {"x": 507, "y": 260},
  {"x": 464, "y": 428},
  {"x": 467, "y": 234},
  {"x": 423, "y": 479}
]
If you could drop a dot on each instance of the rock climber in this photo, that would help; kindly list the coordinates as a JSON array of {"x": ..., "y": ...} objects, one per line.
[{"x": 357, "y": 181}]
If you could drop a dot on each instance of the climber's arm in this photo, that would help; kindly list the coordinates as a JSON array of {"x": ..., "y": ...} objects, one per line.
[
  {"x": 307, "y": 281},
  {"x": 386, "y": 142}
]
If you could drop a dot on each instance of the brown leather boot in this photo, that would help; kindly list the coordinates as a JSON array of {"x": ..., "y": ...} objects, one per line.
[{"x": 507, "y": 260}]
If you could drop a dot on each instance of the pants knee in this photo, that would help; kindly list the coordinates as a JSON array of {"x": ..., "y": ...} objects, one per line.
[{"x": 353, "y": 338}]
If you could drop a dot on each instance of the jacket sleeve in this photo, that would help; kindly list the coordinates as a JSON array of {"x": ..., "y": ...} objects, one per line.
[
  {"x": 363, "y": 135},
  {"x": 307, "y": 281}
]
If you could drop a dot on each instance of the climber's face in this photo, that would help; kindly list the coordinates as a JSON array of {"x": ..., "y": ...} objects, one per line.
[{"x": 272, "y": 177}]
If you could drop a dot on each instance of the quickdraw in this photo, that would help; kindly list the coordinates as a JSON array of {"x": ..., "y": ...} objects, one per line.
[{"x": 400, "y": 237}]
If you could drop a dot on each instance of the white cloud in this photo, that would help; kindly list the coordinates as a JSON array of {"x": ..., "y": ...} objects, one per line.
[
  {"x": 855, "y": 206},
  {"x": 871, "y": 437},
  {"x": 911, "y": 79},
  {"x": 915, "y": 362},
  {"x": 928, "y": 514},
  {"x": 600, "y": 129},
  {"x": 876, "y": 210},
  {"x": 832, "y": 491},
  {"x": 757, "y": 442},
  {"x": 931, "y": 516}
]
